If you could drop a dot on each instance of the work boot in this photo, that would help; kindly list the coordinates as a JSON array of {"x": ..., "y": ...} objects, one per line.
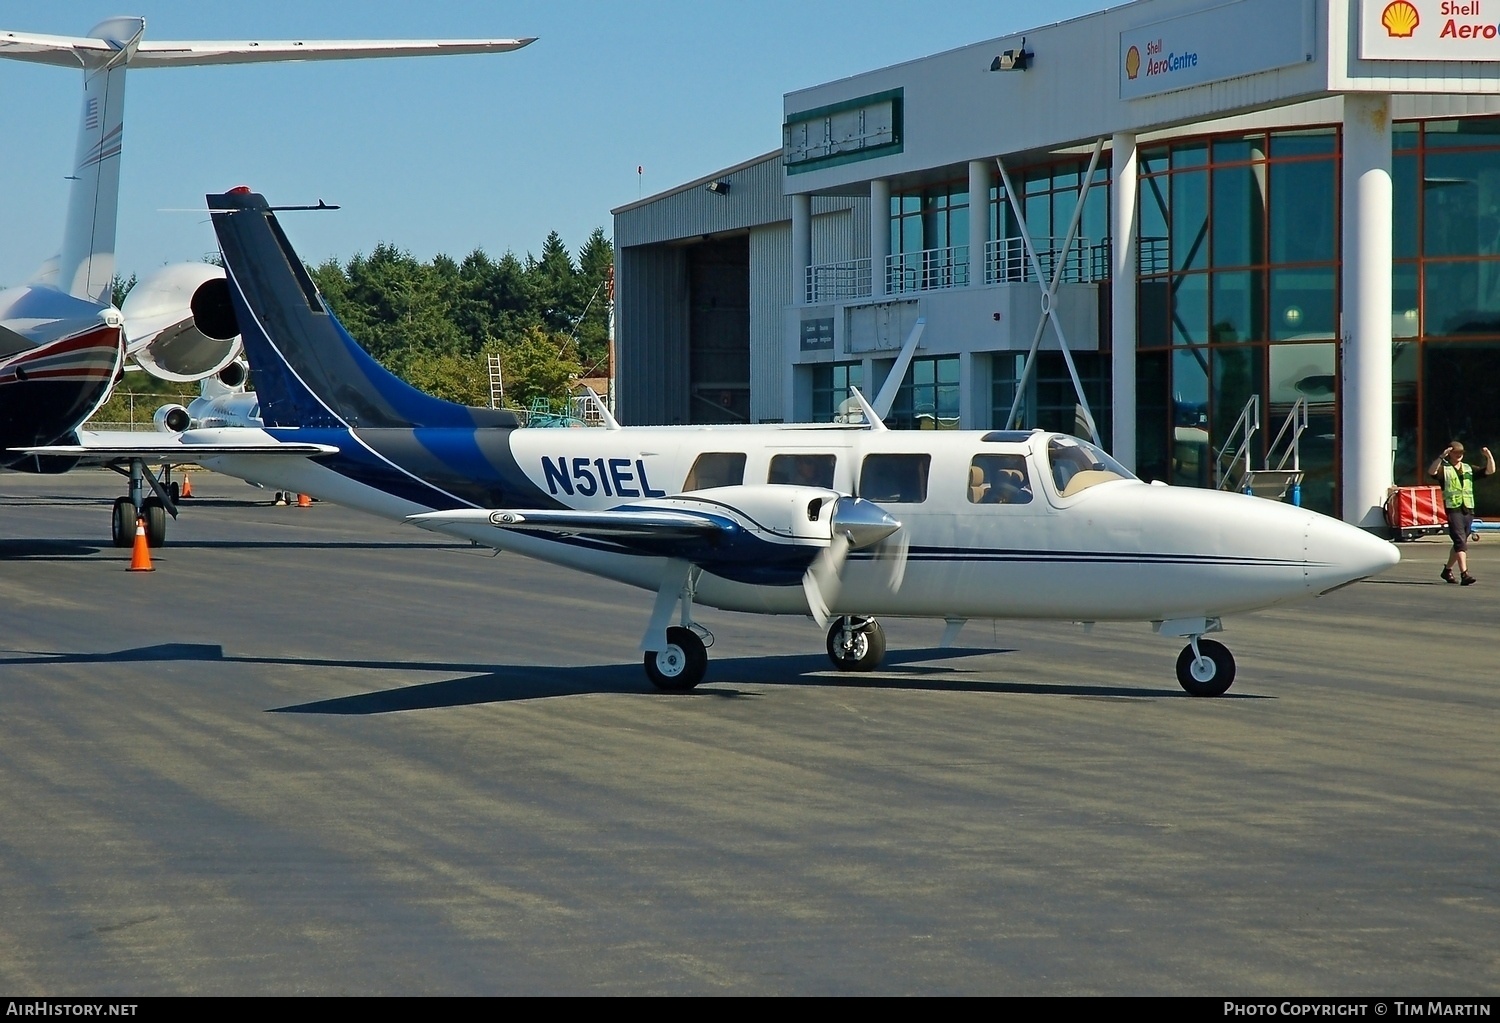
[
  {"x": 1448, "y": 576},
  {"x": 1469, "y": 580}
]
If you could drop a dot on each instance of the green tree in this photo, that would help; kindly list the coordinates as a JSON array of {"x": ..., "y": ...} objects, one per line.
[{"x": 538, "y": 363}]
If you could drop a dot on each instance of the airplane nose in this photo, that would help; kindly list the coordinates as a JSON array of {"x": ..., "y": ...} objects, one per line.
[{"x": 1338, "y": 553}]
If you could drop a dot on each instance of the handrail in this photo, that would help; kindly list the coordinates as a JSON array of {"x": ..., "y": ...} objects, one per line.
[
  {"x": 1296, "y": 420},
  {"x": 927, "y": 270},
  {"x": 1249, "y": 419}
]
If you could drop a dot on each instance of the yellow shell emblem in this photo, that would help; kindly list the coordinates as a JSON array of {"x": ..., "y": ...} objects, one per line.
[
  {"x": 1132, "y": 62},
  {"x": 1400, "y": 19}
]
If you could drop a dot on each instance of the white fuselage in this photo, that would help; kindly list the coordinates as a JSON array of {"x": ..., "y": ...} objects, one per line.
[{"x": 1116, "y": 550}]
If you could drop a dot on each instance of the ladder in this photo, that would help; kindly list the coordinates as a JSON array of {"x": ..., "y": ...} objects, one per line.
[{"x": 497, "y": 383}]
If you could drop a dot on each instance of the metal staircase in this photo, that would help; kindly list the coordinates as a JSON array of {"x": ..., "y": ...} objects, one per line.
[{"x": 1234, "y": 463}]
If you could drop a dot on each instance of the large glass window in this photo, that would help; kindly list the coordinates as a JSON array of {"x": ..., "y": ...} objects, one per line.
[
  {"x": 1462, "y": 402},
  {"x": 929, "y": 395},
  {"x": 1051, "y": 402},
  {"x": 830, "y": 389}
]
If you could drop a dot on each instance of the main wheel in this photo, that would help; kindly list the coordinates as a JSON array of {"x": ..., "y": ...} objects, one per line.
[
  {"x": 156, "y": 521},
  {"x": 175, "y": 489},
  {"x": 860, "y": 649},
  {"x": 122, "y": 523},
  {"x": 681, "y": 665},
  {"x": 1209, "y": 675}
]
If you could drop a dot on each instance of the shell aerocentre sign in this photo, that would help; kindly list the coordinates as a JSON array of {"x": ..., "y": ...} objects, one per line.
[
  {"x": 1429, "y": 29},
  {"x": 1228, "y": 40}
]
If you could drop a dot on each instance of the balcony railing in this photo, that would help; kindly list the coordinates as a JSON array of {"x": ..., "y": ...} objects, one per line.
[
  {"x": 928, "y": 270},
  {"x": 830, "y": 282},
  {"x": 1006, "y": 261}
]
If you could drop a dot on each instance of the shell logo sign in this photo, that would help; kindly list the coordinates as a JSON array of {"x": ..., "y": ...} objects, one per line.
[
  {"x": 1400, "y": 19},
  {"x": 1429, "y": 30},
  {"x": 1132, "y": 63}
]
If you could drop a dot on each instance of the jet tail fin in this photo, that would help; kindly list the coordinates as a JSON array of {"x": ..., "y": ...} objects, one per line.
[{"x": 308, "y": 371}]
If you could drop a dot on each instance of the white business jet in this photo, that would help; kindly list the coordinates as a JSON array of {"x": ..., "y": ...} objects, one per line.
[
  {"x": 840, "y": 522},
  {"x": 62, "y": 342}
]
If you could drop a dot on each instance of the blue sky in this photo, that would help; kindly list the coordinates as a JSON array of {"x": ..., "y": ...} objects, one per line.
[{"x": 445, "y": 154}]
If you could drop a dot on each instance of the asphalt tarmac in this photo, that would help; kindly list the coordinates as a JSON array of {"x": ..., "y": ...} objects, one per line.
[{"x": 318, "y": 753}]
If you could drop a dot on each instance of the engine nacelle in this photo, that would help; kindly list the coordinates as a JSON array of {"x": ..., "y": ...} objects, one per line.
[
  {"x": 180, "y": 323},
  {"x": 171, "y": 419}
]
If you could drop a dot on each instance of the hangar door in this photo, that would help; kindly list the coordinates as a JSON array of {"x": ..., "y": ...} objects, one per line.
[{"x": 719, "y": 331}]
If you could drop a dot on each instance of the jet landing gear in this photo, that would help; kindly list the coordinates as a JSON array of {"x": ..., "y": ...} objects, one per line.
[
  {"x": 1205, "y": 668},
  {"x": 154, "y": 509},
  {"x": 856, "y": 643}
]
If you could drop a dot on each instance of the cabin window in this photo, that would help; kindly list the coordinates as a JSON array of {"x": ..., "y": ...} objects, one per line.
[
  {"x": 716, "y": 469},
  {"x": 802, "y": 470},
  {"x": 894, "y": 479},
  {"x": 999, "y": 479},
  {"x": 1078, "y": 465}
]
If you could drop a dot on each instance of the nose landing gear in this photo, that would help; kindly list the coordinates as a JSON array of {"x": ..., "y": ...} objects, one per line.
[
  {"x": 856, "y": 643},
  {"x": 1205, "y": 668}
]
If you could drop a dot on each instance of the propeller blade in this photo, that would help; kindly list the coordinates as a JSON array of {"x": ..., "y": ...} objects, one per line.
[
  {"x": 821, "y": 580},
  {"x": 893, "y": 552}
]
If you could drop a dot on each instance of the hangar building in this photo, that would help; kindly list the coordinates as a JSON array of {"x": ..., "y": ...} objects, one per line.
[{"x": 1201, "y": 214}]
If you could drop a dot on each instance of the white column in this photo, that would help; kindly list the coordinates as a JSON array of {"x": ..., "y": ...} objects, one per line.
[
  {"x": 1366, "y": 317},
  {"x": 880, "y": 234},
  {"x": 1122, "y": 292},
  {"x": 979, "y": 217},
  {"x": 801, "y": 246}
]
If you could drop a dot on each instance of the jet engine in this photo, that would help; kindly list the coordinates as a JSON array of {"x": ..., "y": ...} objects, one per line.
[
  {"x": 180, "y": 324},
  {"x": 171, "y": 419}
]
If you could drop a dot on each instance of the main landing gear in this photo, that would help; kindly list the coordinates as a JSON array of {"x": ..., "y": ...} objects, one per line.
[{"x": 154, "y": 509}]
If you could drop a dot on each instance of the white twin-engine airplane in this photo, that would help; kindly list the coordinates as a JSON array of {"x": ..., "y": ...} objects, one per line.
[
  {"x": 841, "y": 522},
  {"x": 62, "y": 342}
]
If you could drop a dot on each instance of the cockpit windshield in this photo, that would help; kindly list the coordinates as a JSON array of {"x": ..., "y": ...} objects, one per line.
[{"x": 1077, "y": 465}]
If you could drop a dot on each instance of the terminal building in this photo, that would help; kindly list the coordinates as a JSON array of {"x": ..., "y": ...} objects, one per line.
[{"x": 1208, "y": 220}]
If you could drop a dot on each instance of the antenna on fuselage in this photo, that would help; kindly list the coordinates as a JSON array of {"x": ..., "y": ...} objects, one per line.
[{"x": 872, "y": 419}]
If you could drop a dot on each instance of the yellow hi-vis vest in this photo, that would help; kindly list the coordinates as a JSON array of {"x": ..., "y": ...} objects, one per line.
[{"x": 1458, "y": 485}]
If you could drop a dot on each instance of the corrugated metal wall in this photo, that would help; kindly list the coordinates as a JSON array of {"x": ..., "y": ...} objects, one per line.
[
  {"x": 653, "y": 244},
  {"x": 770, "y": 293},
  {"x": 651, "y": 335}
]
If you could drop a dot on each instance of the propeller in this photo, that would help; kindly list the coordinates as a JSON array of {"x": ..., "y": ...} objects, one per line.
[{"x": 853, "y": 525}]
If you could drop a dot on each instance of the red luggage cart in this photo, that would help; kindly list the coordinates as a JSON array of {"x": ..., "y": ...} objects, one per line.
[{"x": 1416, "y": 511}]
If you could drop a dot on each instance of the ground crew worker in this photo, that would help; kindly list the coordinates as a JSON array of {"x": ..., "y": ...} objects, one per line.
[{"x": 1457, "y": 477}]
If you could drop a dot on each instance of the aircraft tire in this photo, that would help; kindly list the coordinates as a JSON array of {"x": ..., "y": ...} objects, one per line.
[
  {"x": 1210, "y": 677},
  {"x": 865, "y": 649},
  {"x": 681, "y": 665},
  {"x": 122, "y": 523},
  {"x": 156, "y": 521}
]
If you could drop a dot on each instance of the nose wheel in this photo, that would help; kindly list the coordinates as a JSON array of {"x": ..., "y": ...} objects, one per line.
[
  {"x": 856, "y": 643},
  {"x": 1205, "y": 668}
]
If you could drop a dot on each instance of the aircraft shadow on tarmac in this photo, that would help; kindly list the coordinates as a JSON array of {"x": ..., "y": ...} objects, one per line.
[
  {"x": 905, "y": 670},
  {"x": 71, "y": 549}
]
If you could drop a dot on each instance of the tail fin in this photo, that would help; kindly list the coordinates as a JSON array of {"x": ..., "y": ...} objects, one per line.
[
  {"x": 308, "y": 370},
  {"x": 86, "y": 265}
]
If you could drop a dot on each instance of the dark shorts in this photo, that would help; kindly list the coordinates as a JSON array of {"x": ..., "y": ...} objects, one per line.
[{"x": 1460, "y": 525}]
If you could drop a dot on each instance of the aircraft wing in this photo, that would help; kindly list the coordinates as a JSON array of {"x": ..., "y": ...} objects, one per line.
[
  {"x": 76, "y": 51},
  {"x": 617, "y": 524},
  {"x": 102, "y": 447}
]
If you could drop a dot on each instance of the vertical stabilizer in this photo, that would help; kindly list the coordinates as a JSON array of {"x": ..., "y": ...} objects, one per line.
[{"x": 86, "y": 266}]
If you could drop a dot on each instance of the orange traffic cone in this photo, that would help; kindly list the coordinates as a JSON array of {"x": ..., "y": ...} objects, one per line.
[
  {"x": 186, "y": 489},
  {"x": 303, "y": 501},
  {"x": 140, "y": 555}
]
